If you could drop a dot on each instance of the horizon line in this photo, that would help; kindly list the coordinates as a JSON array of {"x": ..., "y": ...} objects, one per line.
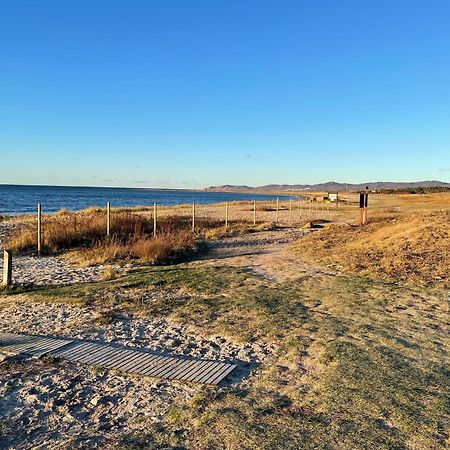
[{"x": 218, "y": 186}]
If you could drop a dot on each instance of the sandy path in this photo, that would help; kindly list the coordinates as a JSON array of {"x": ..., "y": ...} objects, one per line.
[
  {"x": 45, "y": 270},
  {"x": 266, "y": 254}
]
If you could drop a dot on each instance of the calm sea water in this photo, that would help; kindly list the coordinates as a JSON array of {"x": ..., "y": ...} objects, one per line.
[{"x": 16, "y": 199}]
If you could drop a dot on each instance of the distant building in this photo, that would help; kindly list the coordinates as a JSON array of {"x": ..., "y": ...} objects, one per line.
[{"x": 332, "y": 196}]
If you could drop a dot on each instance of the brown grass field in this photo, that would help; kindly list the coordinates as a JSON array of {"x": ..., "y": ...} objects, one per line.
[{"x": 357, "y": 319}]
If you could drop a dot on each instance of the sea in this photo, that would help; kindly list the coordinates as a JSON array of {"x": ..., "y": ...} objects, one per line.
[{"x": 23, "y": 199}]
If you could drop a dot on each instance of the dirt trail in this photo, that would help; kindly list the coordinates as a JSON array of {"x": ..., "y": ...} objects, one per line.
[{"x": 266, "y": 254}]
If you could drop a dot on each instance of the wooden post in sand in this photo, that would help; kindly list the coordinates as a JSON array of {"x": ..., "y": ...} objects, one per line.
[
  {"x": 290, "y": 210},
  {"x": 154, "y": 219},
  {"x": 193, "y": 217},
  {"x": 254, "y": 212},
  {"x": 361, "y": 208},
  {"x": 366, "y": 203},
  {"x": 7, "y": 268},
  {"x": 39, "y": 228},
  {"x": 278, "y": 207},
  {"x": 226, "y": 215},
  {"x": 108, "y": 218}
]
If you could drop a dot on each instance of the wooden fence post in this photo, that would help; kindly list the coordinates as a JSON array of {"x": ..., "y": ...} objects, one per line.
[
  {"x": 361, "y": 208},
  {"x": 278, "y": 207},
  {"x": 154, "y": 219},
  {"x": 39, "y": 228},
  {"x": 290, "y": 210},
  {"x": 7, "y": 268},
  {"x": 226, "y": 215},
  {"x": 108, "y": 218},
  {"x": 254, "y": 212},
  {"x": 366, "y": 204},
  {"x": 193, "y": 217}
]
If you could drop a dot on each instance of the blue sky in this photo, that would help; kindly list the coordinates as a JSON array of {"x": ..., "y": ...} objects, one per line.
[{"x": 192, "y": 93}]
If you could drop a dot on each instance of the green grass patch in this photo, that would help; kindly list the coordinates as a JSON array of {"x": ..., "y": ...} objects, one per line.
[{"x": 357, "y": 363}]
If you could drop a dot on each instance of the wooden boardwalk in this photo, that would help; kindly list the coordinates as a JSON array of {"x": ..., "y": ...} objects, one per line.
[{"x": 139, "y": 361}]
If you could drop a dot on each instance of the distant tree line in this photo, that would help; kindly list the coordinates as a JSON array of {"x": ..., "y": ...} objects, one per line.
[{"x": 415, "y": 190}]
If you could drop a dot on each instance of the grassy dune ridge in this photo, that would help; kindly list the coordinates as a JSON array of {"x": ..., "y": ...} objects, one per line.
[{"x": 411, "y": 247}]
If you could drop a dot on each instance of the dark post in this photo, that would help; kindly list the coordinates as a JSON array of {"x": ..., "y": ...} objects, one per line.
[
  {"x": 7, "y": 268},
  {"x": 366, "y": 202},
  {"x": 39, "y": 228},
  {"x": 108, "y": 218},
  {"x": 361, "y": 208}
]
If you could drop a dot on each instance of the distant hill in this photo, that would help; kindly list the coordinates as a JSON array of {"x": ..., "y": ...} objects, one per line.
[{"x": 331, "y": 186}]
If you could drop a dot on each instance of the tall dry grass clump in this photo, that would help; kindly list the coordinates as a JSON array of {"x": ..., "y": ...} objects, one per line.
[
  {"x": 162, "y": 248},
  {"x": 67, "y": 231}
]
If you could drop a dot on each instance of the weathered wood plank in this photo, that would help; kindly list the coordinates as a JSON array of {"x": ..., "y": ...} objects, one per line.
[
  {"x": 147, "y": 365},
  {"x": 133, "y": 360},
  {"x": 65, "y": 349},
  {"x": 46, "y": 347},
  {"x": 162, "y": 363},
  {"x": 77, "y": 351},
  {"x": 213, "y": 374},
  {"x": 207, "y": 368},
  {"x": 194, "y": 371},
  {"x": 141, "y": 360},
  {"x": 222, "y": 375},
  {"x": 94, "y": 355},
  {"x": 156, "y": 362},
  {"x": 191, "y": 368},
  {"x": 110, "y": 358},
  {"x": 17, "y": 347},
  {"x": 31, "y": 345},
  {"x": 170, "y": 365},
  {"x": 172, "y": 374},
  {"x": 129, "y": 356}
]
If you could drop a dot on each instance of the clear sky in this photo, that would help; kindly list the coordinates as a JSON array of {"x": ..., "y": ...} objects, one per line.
[{"x": 192, "y": 93}]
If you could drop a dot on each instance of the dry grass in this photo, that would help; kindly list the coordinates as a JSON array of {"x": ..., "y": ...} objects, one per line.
[
  {"x": 160, "y": 249},
  {"x": 409, "y": 247},
  {"x": 83, "y": 235},
  {"x": 65, "y": 231}
]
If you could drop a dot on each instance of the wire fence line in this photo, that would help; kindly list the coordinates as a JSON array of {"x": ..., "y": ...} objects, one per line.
[
  {"x": 290, "y": 212},
  {"x": 284, "y": 212}
]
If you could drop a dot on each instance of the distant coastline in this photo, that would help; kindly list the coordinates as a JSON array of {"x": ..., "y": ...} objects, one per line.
[
  {"x": 22, "y": 199},
  {"x": 330, "y": 186}
]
